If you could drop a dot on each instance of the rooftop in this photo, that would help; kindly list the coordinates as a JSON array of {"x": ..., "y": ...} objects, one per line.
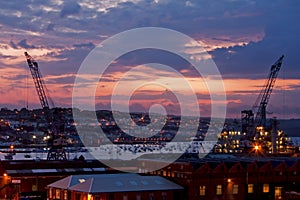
[{"x": 106, "y": 183}]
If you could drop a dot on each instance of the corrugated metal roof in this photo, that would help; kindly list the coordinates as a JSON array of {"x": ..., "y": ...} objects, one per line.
[{"x": 98, "y": 183}]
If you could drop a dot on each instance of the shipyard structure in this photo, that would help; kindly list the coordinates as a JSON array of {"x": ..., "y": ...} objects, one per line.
[
  {"x": 251, "y": 159},
  {"x": 256, "y": 134}
]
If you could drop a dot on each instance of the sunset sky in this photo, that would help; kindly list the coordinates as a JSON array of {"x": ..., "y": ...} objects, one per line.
[{"x": 244, "y": 38}]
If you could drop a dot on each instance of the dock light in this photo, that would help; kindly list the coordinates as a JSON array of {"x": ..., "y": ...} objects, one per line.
[
  {"x": 5, "y": 174},
  {"x": 256, "y": 147},
  {"x": 229, "y": 180}
]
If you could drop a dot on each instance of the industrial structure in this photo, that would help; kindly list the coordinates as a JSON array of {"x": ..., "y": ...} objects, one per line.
[
  {"x": 255, "y": 131},
  {"x": 56, "y": 140},
  {"x": 251, "y": 119}
]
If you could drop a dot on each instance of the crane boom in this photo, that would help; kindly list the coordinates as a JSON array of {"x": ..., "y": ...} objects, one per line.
[
  {"x": 260, "y": 117},
  {"x": 56, "y": 141},
  {"x": 38, "y": 81},
  {"x": 256, "y": 117}
]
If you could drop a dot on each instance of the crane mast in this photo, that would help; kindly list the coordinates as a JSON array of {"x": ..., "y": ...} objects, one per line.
[{"x": 56, "y": 142}]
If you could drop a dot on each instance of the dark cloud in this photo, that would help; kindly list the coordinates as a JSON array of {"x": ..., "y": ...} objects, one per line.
[
  {"x": 202, "y": 18},
  {"x": 67, "y": 61},
  {"x": 7, "y": 58},
  {"x": 50, "y": 27},
  {"x": 13, "y": 45},
  {"x": 281, "y": 37},
  {"x": 144, "y": 56},
  {"x": 224, "y": 21},
  {"x": 23, "y": 44},
  {"x": 17, "y": 77},
  {"x": 61, "y": 80},
  {"x": 70, "y": 8},
  {"x": 89, "y": 45}
]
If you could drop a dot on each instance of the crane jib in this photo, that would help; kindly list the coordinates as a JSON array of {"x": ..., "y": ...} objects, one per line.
[{"x": 56, "y": 151}]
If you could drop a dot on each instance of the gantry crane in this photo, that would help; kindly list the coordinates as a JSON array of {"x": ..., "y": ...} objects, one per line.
[
  {"x": 251, "y": 119},
  {"x": 56, "y": 141}
]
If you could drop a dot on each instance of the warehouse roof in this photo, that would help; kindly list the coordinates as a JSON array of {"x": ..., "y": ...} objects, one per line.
[{"x": 99, "y": 183}]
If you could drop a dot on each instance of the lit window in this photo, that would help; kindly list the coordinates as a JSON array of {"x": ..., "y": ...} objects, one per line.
[
  {"x": 90, "y": 197},
  {"x": 250, "y": 188},
  {"x": 219, "y": 189},
  {"x": 50, "y": 193},
  {"x": 173, "y": 174},
  {"x": 57, "y": 193},
  {"x": 235, "y": 189},
  {"x": 65, "y": 195},
  {"x": 266, "y": 188},
  {"x": 202, "y": 190},
  {"x": 278, "y": 192},
  {"x": 125, "y": 197}
]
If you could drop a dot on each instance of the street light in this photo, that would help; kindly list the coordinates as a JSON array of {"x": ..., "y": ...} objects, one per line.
[{"x": 34, "y": 145}]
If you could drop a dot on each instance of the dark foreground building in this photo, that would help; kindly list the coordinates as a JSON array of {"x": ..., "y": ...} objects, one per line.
[
  {"x": 211, "y": 178},
  {"x": 234, "y": 179},
  {"x": 29, "y": 179}
]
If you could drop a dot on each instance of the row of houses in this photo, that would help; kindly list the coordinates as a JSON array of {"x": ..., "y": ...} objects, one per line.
[{"x": 268, "y": 178}]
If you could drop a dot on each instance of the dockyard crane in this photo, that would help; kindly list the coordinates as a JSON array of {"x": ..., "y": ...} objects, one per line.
[
  {"x": 38, "y": 81},
  {"x": 264, "y": 96},
  {"x": 251, "y": 119},
  {"x": 55, "y": 144}
]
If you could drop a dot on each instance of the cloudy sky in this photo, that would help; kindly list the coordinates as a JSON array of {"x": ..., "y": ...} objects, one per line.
[{"x": 244, "y": 38}]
